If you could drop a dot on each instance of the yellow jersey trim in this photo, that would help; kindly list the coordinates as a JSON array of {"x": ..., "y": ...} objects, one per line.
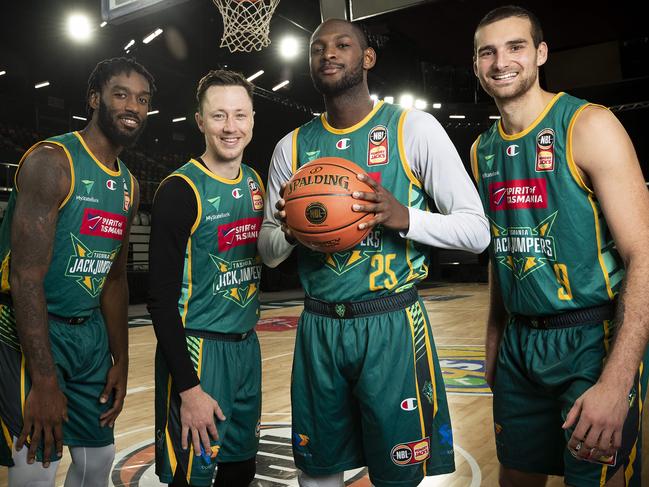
[
  {"x": 200, "y": 166},
  {"x": 402, "y": 151},
  {"x": 67, "y": 154},
  {"x": 533, "y": 124},
  {"x": 294, "y": 151},
  {"x": 572, "y": 165},
  {"x": 474, "y": 159},
  {"x": 261, "y": 183},
  {"x": 173, "y": 463},
  {"x": 356, "y": 126},
  {"x": 598, "y": 234},
  {"x": 108, "y": 171}
]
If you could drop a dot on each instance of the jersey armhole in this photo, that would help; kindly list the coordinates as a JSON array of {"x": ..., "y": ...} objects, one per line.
[
  {"x": 67, "y": 154},
  {"x": 474, "y": 160},
  {"x": 199, "y": 206},
  {"x": 572, "y": 165},
  {"x": 405, "y": 163}
]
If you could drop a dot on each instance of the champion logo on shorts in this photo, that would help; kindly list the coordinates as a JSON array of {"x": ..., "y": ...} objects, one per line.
[{"x": 409, "y": 404}]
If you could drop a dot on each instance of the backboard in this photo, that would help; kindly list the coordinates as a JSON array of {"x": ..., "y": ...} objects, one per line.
[
  {"x": 120, "y": 11},
  {"x": 362, "y": 9}
]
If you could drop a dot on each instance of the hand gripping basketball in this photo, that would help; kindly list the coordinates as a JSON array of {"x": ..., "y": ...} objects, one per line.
[{"x": 318, "y": 205}]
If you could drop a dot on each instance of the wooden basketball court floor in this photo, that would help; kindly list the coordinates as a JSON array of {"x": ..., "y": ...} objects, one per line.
[{"x": 457, "y": 313}]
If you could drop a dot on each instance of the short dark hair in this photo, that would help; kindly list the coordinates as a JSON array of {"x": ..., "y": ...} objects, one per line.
[
  {"x": 108, "y": 68},
  {"x": 222, "y": 77},
  {"x": 508, "y": 11},
  {"x": 359, "y": 31}
]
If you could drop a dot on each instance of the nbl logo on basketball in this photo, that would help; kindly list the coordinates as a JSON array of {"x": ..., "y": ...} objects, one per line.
[{"x": 316, "y": 213}]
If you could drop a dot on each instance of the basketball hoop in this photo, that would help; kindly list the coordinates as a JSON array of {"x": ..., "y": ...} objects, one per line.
[{"x": 246, "y": 23}]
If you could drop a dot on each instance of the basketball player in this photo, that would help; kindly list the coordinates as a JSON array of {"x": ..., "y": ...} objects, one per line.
[
  {"x": 561, "y": 184},
  {"x": 63, "y": 311},
  {"x": 367, "y": 388},
  {"x": 204, "y": 281}
]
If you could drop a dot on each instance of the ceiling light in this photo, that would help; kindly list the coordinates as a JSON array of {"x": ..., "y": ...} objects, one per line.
[
  {"x": 79, "y": 27},
  {"x": 420, "y": 104},
  {"x": 456, "y": 116},
  {"x": 130, "y": 43},
  {"x": 389, "y": 99},
  {"x": 78, "y": 117},
  {"x": 406, "y": 100},
  {"x": 256, "y": 75},
  {"x": 103, "y": 24},
  {"x": 42, "y": 84},
  {"x": 289, "y": 47},
  {"x": 179, "y": 119},
  {"x": 153, "y": 112},
  {"x": 494, "y": 117},
  {"x": 374, "y": 97},
  {"x": 437, "y": 106},
  {"x": 281, "y": 85},
  {"x": 152, "y": 36},
  {"x": 2, "y": 73}
]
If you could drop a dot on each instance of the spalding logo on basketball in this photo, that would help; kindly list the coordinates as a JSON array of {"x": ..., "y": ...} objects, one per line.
[{"x": 319, "y": 203}]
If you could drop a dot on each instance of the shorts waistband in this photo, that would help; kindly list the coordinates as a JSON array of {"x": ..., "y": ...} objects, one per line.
[
  {"x": 570, "y": 318},
  {"x": 69, "y": 320},
  {"x": 355, "y": 309},
  {"x": 215, "y": 335}
]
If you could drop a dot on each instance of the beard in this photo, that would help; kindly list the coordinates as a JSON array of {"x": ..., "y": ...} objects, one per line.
[
  {"x": 108, "y": 125},
  {"x": 513, "y": 92},
  {"x": 350, "y": 79}
]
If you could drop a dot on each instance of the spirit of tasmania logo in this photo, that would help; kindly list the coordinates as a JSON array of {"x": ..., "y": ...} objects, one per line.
[
  {"x": 524, "y": 249},
  {"x": 518, "y": 194},
  {"x": 238, "y": 280},
  {"x": 100, "y": 223},
  {"x": 237, "y": 233},
  {"x": 89, "y": 267}
]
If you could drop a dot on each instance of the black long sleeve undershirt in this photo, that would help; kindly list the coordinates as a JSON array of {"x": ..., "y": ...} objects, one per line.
[{"x": 172, "y": 217}]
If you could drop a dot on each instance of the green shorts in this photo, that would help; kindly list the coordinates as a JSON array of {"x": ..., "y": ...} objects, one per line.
[
  {"x": 82, "y": 359},
  {"x": 369, "y": 391},
  {"x": 230, "y": 372},
  {"x": 539, "y": 375}
]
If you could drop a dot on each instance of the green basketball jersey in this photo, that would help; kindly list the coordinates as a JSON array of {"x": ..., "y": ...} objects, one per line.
[
  {"x": 383, "y": 262},
  {"x": 222, "y": 268},
  {"x": 550, "y": 246},
  {"x": 91, "y": 224}
]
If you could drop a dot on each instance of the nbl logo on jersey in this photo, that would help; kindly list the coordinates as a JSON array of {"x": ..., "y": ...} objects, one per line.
[
  {"x": 377, "y": 146},
  {"x": 545, "y": 150}
]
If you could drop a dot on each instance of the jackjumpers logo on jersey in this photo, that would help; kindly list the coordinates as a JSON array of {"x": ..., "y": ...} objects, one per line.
[
  {"x": 99, "y": 223},
  {"x": 237, "y": 280},
  {"x": 518, "y": 194},
  {"x": 240, "y": 232},
  {"x": 524, "y": 250},
  {"x": 341, "y": 262},
  {"x": 89, "y": 267}
]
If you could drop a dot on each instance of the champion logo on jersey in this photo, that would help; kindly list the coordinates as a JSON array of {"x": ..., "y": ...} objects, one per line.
[
  {"x": 409, "y": 404},
  {"x": 377, "y": 146},
  {"x": 343, "y": 144},
  {"x": 111, "y": 184},
  {"x": 512, "y": 150},
  {"x": 237, "y": 193}
]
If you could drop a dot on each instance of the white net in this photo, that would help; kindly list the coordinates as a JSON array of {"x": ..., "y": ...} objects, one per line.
[{"x": 246, "y": 23}]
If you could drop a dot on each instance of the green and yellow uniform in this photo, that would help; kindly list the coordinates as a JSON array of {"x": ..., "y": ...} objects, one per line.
[
  {"x": 219, "y": 308},
  {"x": 367, "y": 388},
  {"x": 552, "y": 253},
  {"x": 91, "y": 224}
]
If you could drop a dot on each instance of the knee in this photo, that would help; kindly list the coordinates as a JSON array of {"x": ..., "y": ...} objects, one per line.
[
  {"x": 235, "y": 474},
  {"x": 95, "y": 463},
  {"x": 334, "y": 480}
]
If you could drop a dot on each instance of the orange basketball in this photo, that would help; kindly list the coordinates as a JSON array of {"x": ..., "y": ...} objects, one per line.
[{"x": 319, "y": 204}]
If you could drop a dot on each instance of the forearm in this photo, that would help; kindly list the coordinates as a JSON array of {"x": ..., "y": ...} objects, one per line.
[
  {"x": 114, "y": 309},
  {"x": 272, "y": 244},
  {"x": 458, "y": 230},
  {"x": 32, "y": 326},
  {"x": 632, "y": 327}
]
